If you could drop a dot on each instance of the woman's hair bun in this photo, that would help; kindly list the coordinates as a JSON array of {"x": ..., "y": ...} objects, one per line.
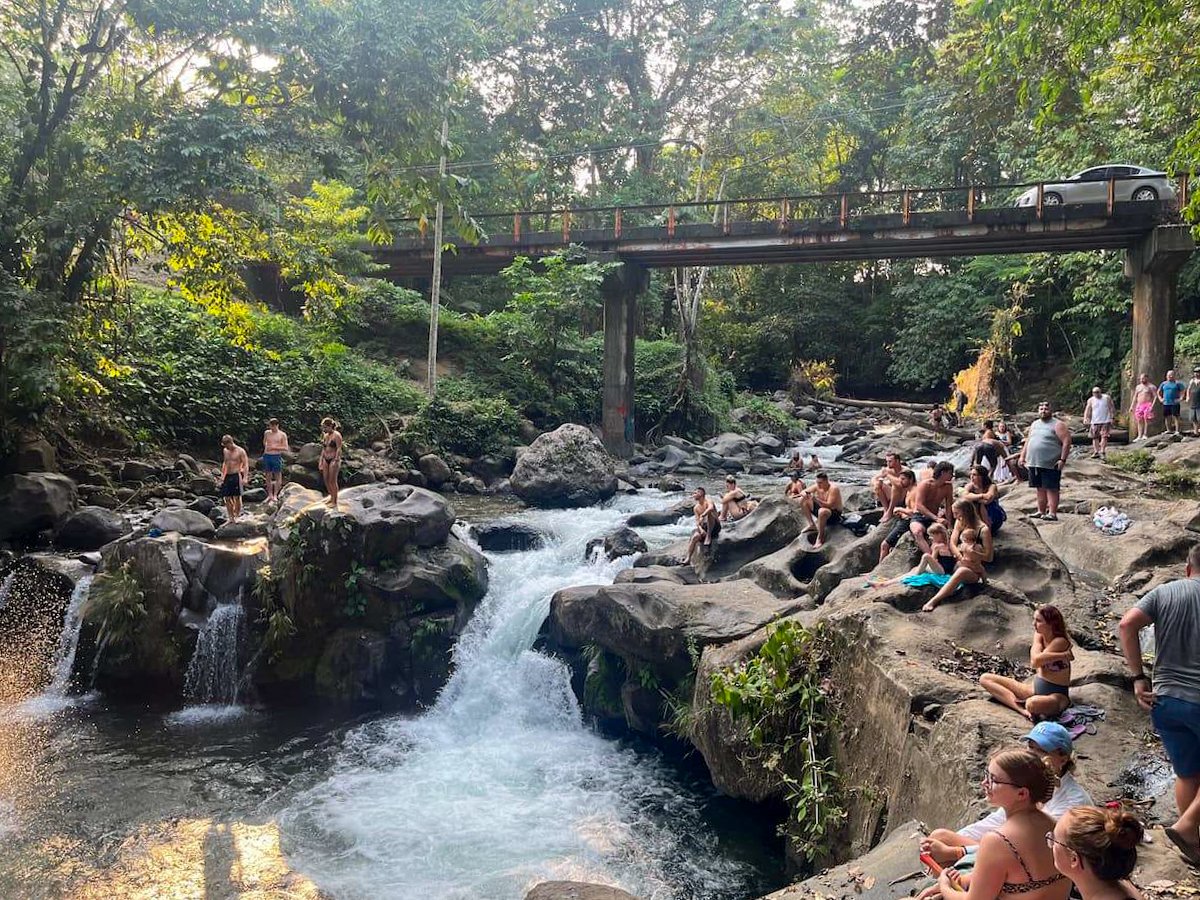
[{"x": 1123, "y": 830}]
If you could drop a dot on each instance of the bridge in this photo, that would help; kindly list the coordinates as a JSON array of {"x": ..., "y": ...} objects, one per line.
[{"x": 911, "y": 223}]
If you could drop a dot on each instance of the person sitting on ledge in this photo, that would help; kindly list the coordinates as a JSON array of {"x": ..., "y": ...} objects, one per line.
[
  {"x": 734, "y": 503},
  {"x": 1097, "y": 849},
  {"x": 902, "y": 511},
  {"x": 1015, "y": 858},
  {"x": 708, "y": 522},
  {"x": 822, "y": 501},
  {"x": 970, "y": 553},
  {"x": 885, "y": 484},
  {"x": 795, "y": 487},
  {"x": 937, "y": 419},
  {"x": 814, "y": 463},
  {"x": 932, "y": 497},
  {"x": 1054, "y": 743},
  {"x": 795, "y": 464},
  {"x": 982, "y": 491},
  {"x": 1050, "y": 657}
]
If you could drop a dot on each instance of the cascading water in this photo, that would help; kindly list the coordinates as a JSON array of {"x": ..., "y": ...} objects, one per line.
[
  {"x": 213, "y": 675},
  {"x": 5, "y": 587},
  {"x": 56, "y": 697},
  {"x": 501, "y": 784}
]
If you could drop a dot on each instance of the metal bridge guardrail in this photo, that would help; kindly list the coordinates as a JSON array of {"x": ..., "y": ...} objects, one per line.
[{"x": 784, "y": 210}]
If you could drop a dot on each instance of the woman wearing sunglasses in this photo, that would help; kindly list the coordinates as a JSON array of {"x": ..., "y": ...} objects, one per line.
[
  {"x": 1097, "y": 849},
  {"x": 1013, "y": 862}
]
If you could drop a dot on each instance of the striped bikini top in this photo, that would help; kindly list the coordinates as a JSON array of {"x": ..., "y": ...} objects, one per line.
[{"x": 1026, "y": 887}]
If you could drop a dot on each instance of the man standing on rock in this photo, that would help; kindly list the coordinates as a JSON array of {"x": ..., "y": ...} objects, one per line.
[
  {"x": 886, "y": 484},
  {"x": 1170, "y": 392},
  {"x": 933, "y": 501},
  {"x": 1045, "y": 452},
  {"x": 1141, "y": 410},
  {"x": 1174, "y": 702},
  {"x": 235, "y": 471},
  {"x": 1191, "y": 396},
  {"x": 275, "y": 444},
  {"x": 822, "y": 501},
  {"x": 708, "y": 522},
  {"x": 1098, "y": 416}
]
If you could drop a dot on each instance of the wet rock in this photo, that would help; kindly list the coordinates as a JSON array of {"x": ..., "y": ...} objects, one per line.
[
  {"x": 187, "y": 464},
  {"x": 202, "y": 505},
  {"x": 576, "y": 890},
  {"x": 183, "y": 521},
  {"x": 729, "y": 444},
  {"x": 352, "y": 667},
  {"x": 247, "y": 526},
  {"x": 90, "y": 528},
  {"x": 254, "y": 495},
  {"x": 775, "y": 523},
  {"x": 218, "y": 573},
  {"x": 667, "y": 516},
  {"x": 493, "y": 466},
  {"x": 33, "y": 454},
  {"x": 501, "y": 536},
  {"x": 623, "y": 541},
  {"x": 646, "y": 574},
  {"x": 33, "y": 502},
  {"x": 565, "y": 467},
  {"x": 136, "y": 470},
  {"x": 470, "y": 485},
  {"x": 669, "y": 484}
]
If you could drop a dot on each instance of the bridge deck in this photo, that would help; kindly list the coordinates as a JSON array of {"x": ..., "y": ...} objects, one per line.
[{"x": 986, "y": 231}]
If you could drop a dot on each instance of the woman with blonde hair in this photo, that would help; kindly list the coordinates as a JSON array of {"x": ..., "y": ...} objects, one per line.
[
  {"x": 1013, "y": 861},
  {"x": 331, "y": 458},
  {"x": 1097, "y": 849}
]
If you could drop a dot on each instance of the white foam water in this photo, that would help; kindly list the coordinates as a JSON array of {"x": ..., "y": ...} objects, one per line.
[
  {"x": 501, "y": 785},
  {"x": 56, "y": 697},
  {"x": 213, "y": 674}
]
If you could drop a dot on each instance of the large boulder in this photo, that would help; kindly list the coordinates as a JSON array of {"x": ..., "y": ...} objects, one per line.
[
  {"x": 565, "y": 467},
  {"x": 667, "y": 516},
  {"x": 506, "y": 535},
  {"x": 620, "y": 542},
  {"x": 576, "y": 890},
  {"x": 730, "y": 444},
  {"x": 34, "y": 502},
  {"x": 183, "y": 521},
  {"x": 218, "y": 573},
  {"x": 90, "y": 528},
  {"x": 33, "y": 454},
  {"x": 772, "y": 525}
]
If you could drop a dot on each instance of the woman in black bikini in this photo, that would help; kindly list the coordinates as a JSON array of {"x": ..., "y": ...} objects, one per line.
[
  {"x": 1050, "y": 657},
  {"x": 1013, "y": 861},
  {"x": 331, "y": 458},
  {"x": 1097, "y": 849}
]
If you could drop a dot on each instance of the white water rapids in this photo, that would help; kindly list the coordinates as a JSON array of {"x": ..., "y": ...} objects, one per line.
[{"x": 501, "y": 784}]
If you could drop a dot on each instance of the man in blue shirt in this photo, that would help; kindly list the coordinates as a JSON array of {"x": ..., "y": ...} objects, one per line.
[{"x": 1169, "y": 394}]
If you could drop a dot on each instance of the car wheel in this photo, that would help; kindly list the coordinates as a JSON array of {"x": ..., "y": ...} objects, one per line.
[
  {"x": 1145, "y": 193},
  {"x": 1050, "y": 198}
]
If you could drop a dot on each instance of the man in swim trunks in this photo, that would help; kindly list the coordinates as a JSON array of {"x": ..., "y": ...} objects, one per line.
[
  {"x": 1191, "y": 397},
  {"x": 886, "y": 484},
  {"x": 824, "y": 502},
  {"x": 1098, "y": 416},
  {"x": 235, "y": 470},
  {"x": 275, "y": 444},
  {"x": 933, "y": 501},
  {"x": 902, "y": 510},
  {"x": 708, "y": 522},
  {"x": 1170, "y": 392},
  {"x": 1142, "y": 408}
]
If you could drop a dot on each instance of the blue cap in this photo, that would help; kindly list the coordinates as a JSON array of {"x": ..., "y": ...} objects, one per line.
[{"x": 1051, "y": 736}]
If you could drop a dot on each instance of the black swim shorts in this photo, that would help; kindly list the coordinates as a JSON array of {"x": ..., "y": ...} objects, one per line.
[
  {"x": 898, "y": 530},
  {"x": 231, "y": 486},
  {"x": 1046, "y": 479}
]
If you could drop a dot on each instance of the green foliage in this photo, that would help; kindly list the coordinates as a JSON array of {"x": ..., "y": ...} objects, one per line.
[
  {"x": 764, "y": 415},
  {"x": 280, "y": 626},
  {"x": 356, "y": 600},
  {"x": 472, "y": 426},
  {"x": 1137, "y": 461},
  {"x": 780, "y": 700},
  {"x": 187, "y": 375},
  {"x": 117, "y": 602}
]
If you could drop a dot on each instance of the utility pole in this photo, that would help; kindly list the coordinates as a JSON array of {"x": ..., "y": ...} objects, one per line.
[{"x": 435, "y": 293}]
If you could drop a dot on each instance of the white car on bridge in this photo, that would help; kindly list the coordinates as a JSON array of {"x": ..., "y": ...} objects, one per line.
[{"x": 1091, "y": 186}]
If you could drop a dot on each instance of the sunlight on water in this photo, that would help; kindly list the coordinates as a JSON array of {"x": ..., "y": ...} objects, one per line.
[{"x": 501, "y": 785}]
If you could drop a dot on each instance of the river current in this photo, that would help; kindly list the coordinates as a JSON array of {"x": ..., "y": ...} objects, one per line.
[{"x": 499, "y": 785}]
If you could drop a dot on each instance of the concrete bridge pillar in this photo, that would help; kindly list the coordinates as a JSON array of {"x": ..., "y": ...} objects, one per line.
[
  {"x": 1154, "y": 265},
  {"x": 620, "y": 290}
]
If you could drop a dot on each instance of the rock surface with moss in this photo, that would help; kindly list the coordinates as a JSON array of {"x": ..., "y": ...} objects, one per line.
[{"x": 368, "y": 598}]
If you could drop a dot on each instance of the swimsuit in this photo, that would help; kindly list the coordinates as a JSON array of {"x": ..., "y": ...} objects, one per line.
[
  {"x": 1026, "y": 887},
  {"x": 231, "y": 486},
  {"x": 272, "y": 462},
  {"x": 1143, "y": 411}
]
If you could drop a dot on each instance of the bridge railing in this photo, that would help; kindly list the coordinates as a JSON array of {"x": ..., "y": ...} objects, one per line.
[{"x": 617, "y": 221}]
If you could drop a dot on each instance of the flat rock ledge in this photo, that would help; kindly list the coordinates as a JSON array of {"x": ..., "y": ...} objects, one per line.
[{"x": 577, "y": 890}]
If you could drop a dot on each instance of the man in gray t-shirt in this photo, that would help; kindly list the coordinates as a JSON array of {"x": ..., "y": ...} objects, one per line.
[{"x": 1174, "y": 702}]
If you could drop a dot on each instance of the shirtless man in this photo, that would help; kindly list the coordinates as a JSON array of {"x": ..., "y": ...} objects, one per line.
[
  {"x": 1141, "y": 411},
  {"x": 708, "y": 523},
  {"x": 235, "y": 470},
  {"x": 903, "y": 505},
  {"x": 885, "y": 483},
  {"x": 795, "y": 488},
  {"x": 734, "y": 503},
  {"x": 275, "y": 444},
  {"x": 931, "y": 498},
  {"x": 824, "y": 501}
]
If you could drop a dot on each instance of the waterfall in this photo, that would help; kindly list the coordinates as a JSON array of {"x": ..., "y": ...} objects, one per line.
[
  {"x": 63, "y": 665},
  {"x": 5, "y": 587},
  {"x": 213, "y": 675},
  {"x": 502, "y": 784}
]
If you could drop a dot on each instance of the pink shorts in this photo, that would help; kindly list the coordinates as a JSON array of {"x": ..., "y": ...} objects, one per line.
[{"x": 1143, "y": 412}]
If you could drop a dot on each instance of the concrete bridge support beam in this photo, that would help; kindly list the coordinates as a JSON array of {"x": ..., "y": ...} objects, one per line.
[
  {"x": 1154, "y": 265},
  {"x": 620, "y": 289}
]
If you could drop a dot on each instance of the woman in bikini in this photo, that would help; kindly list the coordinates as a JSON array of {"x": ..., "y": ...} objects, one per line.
[
  {"x": 1097, "y": 849},
  {"x": 1050, "y": 657},
  {"x": 1014, "y": 861},
  {"x": 331, "y": 458},
  {"x": 982, "y": 491}
]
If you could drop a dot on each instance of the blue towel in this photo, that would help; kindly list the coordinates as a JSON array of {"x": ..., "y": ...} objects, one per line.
[{"x": 924, "y": 579}]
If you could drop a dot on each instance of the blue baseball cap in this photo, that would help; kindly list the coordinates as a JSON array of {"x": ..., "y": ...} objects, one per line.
[{"x": 1051, "y": 736}]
